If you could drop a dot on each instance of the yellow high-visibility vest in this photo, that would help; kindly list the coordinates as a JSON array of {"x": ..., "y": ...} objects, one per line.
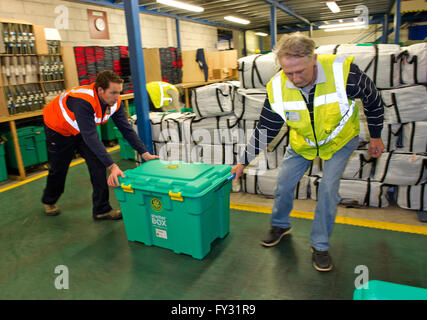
[
  {"x": 158, "y": 93},
  {"x": 336, "y": 118}
]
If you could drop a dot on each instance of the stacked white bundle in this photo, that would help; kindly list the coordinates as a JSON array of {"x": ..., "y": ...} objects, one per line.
[
  {"x": 213, "y": 100},
  {"x": 380, "y": 62},
  {"x": 412, "y": 197},
  {"x": 401, "y": 169},
  {"x": 414, "y": 64},
  {"x": 248, "y": 103},
  {"x": 362, "y": 193},
  {"x": 264, "y": 183},
  {"x": 256, "y": 70},
  {"x": 405, "y": 104}
]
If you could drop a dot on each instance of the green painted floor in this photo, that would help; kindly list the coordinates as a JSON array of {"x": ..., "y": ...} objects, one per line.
[{"x": 102, "y": 264}]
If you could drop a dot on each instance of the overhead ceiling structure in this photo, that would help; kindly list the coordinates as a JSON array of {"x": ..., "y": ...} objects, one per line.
[{"x": 289, "y": 13}]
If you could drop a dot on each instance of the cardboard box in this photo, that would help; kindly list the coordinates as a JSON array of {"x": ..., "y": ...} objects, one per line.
[
  {"x": 153, "y": 70},
  {"x": 41, "y": 43},
  {"x": 224, "y": 73},
  {"x": 191, "y": 71},
  {"x": 70, "y": 68}
]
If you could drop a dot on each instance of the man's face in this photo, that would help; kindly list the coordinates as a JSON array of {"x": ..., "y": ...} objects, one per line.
[
  {"x": 300, "y": 70},
  {"x": 111, "y": 94}
]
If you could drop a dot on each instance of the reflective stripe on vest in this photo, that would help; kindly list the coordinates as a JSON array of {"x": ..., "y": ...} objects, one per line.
[
  {"x": 163, "y": 90},
  {"x": 90, "y": 92}
]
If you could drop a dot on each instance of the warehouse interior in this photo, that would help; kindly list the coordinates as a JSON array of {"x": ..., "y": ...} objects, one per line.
[{"x": 220, "y": 66}]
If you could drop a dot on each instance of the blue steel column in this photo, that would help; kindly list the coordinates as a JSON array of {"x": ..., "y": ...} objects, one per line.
[
  {"x": 273, "y": 26},
  {"x": 385, "y": 29},
  {"x": 178, "y": 33},
  {"x": 142, "y": 106},
  {"x": 397, "y": 22}
]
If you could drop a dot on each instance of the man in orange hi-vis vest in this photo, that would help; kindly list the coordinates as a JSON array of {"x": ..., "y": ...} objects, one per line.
[{"x": 71, "y": 121}]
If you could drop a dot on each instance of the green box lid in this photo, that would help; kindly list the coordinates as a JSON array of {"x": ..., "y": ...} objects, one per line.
[{"x": 175, "y": 177}]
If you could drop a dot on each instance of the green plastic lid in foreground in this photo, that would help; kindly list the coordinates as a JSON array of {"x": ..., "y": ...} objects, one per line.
[{"x": 191, "y": 179}]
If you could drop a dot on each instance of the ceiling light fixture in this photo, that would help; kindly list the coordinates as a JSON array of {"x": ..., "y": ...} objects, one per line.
[
  {"x": 333, "y": 6},
  {"x": 344, "y": 28},
  {"x": 261, "y": 34},
  {"x": 237, "y": 20},
  {"x": 341, "y": 25},
  {"x": 181, "y": 5}
]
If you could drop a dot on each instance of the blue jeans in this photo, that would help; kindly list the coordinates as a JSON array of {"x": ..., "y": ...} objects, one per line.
[{"x": 293, "y": 168}]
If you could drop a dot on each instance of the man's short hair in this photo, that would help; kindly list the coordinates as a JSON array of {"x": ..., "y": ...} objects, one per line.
[
  {"x": 294, "y": 45},
  {"x": 104, "y": 78}
]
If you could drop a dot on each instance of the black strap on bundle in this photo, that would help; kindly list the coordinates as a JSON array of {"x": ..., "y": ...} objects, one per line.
[
  {"x": 367, "y": 199},
  {"x": 375, "y": 62},
  {"x": 414, "y": 61},
  {"x": 335, "y": 49},
  {"x": 196, "y": 105},
  {"x": 242, "y": 75},
  {"x": 393, "y": 60},
  {"x": 179, "y": 129},
  {"x": 412, "y": 137},
  {"x": 398, "y": 134},
  {"x": 386, "y": 166},
  {"x": 316, "y": 184},
  {"x": 362, "y": 162},
  {"x": 423, "y": 167},
  {"x": 400, "y": 57},
  {"x": 255, "y": 70},
  {"x": 408, "y": 197},
  {"x": 422, "y": 195},
  {"x": 218, "y": 91},
  {"x": 395, "y": 106}
]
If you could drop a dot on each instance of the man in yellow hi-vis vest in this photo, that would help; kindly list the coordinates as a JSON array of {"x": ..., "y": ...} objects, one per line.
[{"x": 315, "y": 96}]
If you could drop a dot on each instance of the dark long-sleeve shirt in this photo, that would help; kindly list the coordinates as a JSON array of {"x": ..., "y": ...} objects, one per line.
[
  {"x": 85, "y": 120},
  {"x": 359, "y": 86}
]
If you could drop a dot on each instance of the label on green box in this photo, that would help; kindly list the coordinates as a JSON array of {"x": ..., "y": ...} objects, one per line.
[{"x": 159, "y": 222}]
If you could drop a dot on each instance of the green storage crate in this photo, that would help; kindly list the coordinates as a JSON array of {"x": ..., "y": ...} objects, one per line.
[
  {"x": 175, "y": 205},
  {"x": 132, "y": 109},
  {"x": 3, "y": 169},
  {"x": 32, "y": 143},
  {"x": 107, "y": 130},
  {"x": 381, "y": 290},
  {"x": 99, "y": 132},
  {"x": 126, "y": 151}
]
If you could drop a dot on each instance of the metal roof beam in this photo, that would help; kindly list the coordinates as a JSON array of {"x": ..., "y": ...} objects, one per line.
[{"x": 288, "y": 10}]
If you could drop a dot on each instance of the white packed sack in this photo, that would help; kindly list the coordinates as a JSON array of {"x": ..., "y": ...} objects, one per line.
[
  {"x": 405, "y": 104},
  {"x": 412, "y": 197},
  {"x": 212, "y": 100},
  {"x": 401, "y": 169},
  {"x": 255, "y": 71},
  {"x": 414, "y": 64}
]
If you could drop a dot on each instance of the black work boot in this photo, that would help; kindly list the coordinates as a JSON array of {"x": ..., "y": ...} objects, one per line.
[
  {"x": 322, "y": 261},
  {"x": 275, "y": 235}
]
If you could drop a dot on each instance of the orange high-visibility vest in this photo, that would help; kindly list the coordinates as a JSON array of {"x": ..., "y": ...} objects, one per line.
[{"x": 59, "y": 118}]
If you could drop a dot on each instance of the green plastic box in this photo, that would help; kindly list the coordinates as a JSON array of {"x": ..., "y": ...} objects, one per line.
[
  {"x": 381, "y": 290},
  {"x": 126, "y": 151},
  {"x": 32, "y": 143},
  {"x": 175, "y": 205},
  {"x": 107, "y": 130},
  {"x": 3, "y": 169}
]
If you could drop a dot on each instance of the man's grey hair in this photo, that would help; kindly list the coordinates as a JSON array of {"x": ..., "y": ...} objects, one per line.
[{"x": 294, "y": 45}]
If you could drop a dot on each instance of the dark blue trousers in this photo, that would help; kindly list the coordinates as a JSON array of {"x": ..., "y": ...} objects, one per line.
[{"x": 61, "y": 151}]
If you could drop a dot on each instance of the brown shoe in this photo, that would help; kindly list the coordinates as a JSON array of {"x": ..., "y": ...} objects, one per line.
[
  {"x": 51, "y": 209},
  {"x": 112, "y": 215}
]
